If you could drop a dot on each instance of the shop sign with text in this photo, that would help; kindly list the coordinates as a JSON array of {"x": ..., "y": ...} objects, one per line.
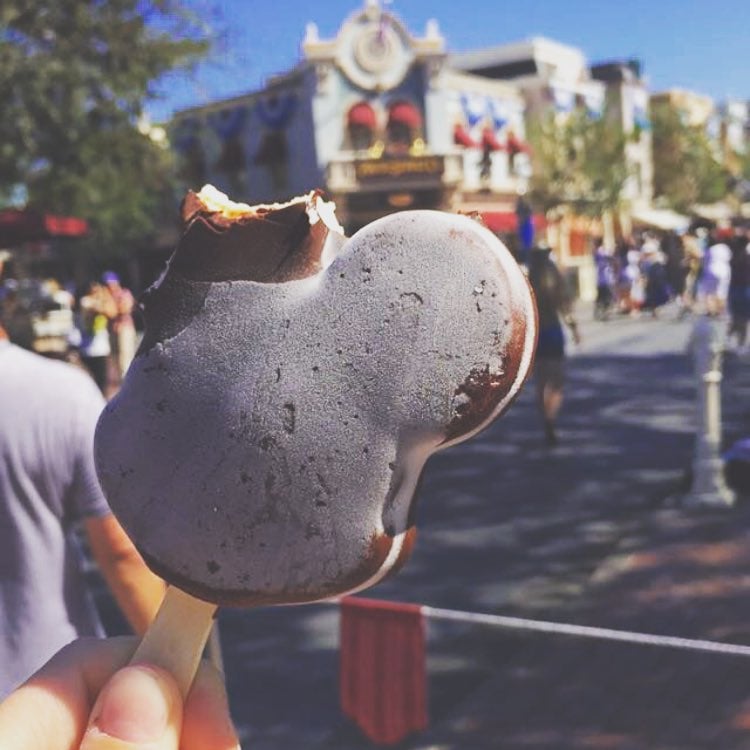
[{"x": 378, "y": 170}]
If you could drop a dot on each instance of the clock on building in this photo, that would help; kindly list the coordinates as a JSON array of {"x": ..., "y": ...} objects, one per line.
[{"x": 374, "y": 51}]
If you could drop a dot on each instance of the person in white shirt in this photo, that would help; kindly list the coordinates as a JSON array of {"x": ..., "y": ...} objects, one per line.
[{"x": 713, "y": 282}]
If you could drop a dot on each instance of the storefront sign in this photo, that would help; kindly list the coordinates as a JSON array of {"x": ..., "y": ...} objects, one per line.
[{"x": 378, "y": 170}]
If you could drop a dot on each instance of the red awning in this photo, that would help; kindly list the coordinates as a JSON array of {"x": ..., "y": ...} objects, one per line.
[
  {"x": 489, "y": 140},
  {"x": 505, "y": 222},
  {"x": 461, "y": 137},
  {"x": 362, "y": 114},
  {"x": 516, "y": 145},
  {"x": 405, "y": 113},
  {"x": 26, "y": 225}
]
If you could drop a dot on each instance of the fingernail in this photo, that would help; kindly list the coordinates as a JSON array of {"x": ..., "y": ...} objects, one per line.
[{"x": 135, "y": 706}]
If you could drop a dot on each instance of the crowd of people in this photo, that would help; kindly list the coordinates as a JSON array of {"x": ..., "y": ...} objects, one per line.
[
  {"x": 94, "y": 327},
  {"x": 706, "y": 271}
]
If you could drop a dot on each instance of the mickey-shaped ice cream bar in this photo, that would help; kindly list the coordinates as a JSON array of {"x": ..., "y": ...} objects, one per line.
[{"x": 268, "y": 438}]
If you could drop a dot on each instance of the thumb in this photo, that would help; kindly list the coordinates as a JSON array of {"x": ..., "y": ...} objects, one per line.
[{"x": 140, "y": 708}]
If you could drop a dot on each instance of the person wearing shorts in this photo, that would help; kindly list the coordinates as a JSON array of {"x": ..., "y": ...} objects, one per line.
[{"x": 554, "y": 305}]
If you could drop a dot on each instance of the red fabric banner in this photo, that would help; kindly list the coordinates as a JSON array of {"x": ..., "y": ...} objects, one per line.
[
  {"x": 383, "y": 678},
  {"x": 516, "y": 145},
  {"x": 504, "y": 222},
  {"x": 489, "y": 140},
  {"x": 461, "y": 137}
]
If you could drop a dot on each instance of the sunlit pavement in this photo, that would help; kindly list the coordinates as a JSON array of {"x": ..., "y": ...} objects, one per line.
[{"x": 589, "y": 532}]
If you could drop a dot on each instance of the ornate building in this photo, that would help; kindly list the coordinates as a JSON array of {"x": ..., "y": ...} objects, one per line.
[
  {"x": 554, "y": 80},
  {"x": 376, "y": 117}
]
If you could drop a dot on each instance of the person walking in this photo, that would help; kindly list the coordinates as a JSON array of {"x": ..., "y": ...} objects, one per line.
[
  {"x": 739, "y": 292},
  {"x": 694, "y": 249},
  {"x": 605, "y": 281},
  {"x": 554, "y": 305},
  {"x": 48, "y": 487},
  {"x": 96, "y": 309},
  {"x": 654, "y": 269},
  {"x": 631, "y": 283},
  {"x": 713, "y": 282},
  {"x": 122, "y": 326}
]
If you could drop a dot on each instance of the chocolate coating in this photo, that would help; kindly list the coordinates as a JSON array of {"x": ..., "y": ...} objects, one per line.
[
  {"x": 272, "y": 245},
  {"x": 268, "y": 439}
]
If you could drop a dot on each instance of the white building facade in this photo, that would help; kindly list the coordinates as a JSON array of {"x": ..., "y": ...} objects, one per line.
[{"x": 376, "y": 117}]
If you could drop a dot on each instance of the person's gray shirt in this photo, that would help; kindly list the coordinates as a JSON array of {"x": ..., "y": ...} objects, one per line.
[{"x": 48, "y": 412}]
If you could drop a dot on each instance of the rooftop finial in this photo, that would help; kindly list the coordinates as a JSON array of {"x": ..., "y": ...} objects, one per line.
[{"x": 311, "y": 33}]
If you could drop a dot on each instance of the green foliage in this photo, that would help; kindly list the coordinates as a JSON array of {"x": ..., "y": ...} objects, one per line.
[
  {"x": 743, "y": 164},
  {"x": 686, "y": 168},
  {"x": 74, "y": 78},
  {"x": 578, "y": 162}
]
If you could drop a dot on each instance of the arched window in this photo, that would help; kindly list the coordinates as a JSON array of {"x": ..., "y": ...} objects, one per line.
[
  {"x": 361, "y": 124},
  {"x": 404, "y": 126}
]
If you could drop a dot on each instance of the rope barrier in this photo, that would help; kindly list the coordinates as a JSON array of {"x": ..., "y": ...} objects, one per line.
[{"x": 585, "y": 631}]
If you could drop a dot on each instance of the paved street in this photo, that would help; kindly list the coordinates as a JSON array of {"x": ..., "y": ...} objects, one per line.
[{"x": 586, "y": 533}]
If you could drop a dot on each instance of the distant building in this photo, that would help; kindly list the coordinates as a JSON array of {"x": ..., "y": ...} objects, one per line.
[
  {"x": 554, "y": 79},
  {"x": 377, "y": 118},
  {"x": 696, "y": 110},
  {"x": 627, "y": 106},
  {"x": 734, "y": 117},
  {"x": 384, "y": 120}
]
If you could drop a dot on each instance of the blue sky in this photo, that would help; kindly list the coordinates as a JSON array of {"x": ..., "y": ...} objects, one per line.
[{"x": 703, "y": 45}]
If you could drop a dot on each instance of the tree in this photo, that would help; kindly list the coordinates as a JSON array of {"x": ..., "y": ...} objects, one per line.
[
  {"x": 75, "y": 76},
  {"x": 744, "y": 159},
  {"x": 686, "y": 168},
  {"x": 739, "y": 179},
  {"x": 578, "y": 161}
]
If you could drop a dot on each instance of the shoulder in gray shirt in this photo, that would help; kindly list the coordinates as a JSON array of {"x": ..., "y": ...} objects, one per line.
[{"x": 48, "y": 412}]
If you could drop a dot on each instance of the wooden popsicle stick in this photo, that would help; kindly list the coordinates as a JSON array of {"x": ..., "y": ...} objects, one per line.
[
  {"x": 213, "y": 649},
  {"x": 176, "y": 638}
]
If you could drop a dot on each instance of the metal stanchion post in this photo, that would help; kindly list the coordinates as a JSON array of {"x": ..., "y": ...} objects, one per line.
[{"x": 709, "y": 487}]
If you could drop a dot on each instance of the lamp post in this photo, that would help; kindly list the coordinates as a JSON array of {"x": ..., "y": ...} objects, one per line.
[{"x": 708, "y": 488}]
